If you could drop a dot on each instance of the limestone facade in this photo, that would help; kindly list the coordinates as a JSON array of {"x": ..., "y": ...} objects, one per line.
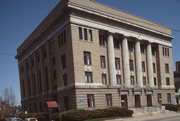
[{"x": 88, "y": 55}]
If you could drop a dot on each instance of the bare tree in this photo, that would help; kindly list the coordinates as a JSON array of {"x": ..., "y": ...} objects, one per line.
[{"x": 7, "y": 103}]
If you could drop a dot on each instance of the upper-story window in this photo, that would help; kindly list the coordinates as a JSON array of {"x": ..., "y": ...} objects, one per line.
[
  {"x": 116, "y": 43},
  {"x": 88, "y": 77},
  {"x": 143, "y": 48},
  {"x": 63, "y": 60},
  {"x": 153, "y": 51},
  {"x": 62, "y": 38},
  {"x": 167, "y": 81},
  {"x": 144, "y": 80},
  {"x": 87, "y": 58},
  {"x": 130, "y": 46},
  {"x": 103, "y": 62},
  {"x": 65, "y": 82},
  {"x": 131, "y": 66},
  {"x": 118, "y": 79},
  {"x": 154, "y": 68},
  {"x": 117, "y": 63},
  {"x": 85, "y": 34},
  {"x": 143, "y": 66},
  {"x": 104, "y": 78},
  {"x": 167, "y": 68},
  {"x": 102, "y": 40},
  {"x": 165, "y": 51},
  {"x": 132, "y": 80}
]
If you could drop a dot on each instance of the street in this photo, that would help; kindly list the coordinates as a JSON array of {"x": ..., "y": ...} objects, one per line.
[{"x": 172, "y": 118}]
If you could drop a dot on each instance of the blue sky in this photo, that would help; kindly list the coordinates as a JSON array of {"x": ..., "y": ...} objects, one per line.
[{"x": 18, "y": 18}]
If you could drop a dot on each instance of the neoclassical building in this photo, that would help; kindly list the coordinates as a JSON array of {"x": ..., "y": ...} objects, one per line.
[
  {"x": 177, "y": 82},
  {"x": 88, "y": 55}
]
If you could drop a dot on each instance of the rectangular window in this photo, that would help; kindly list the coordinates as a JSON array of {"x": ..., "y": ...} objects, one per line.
[
  {"x": 88, "y": 77},
  {"x": 153, "y": 51},
  {"x": 80, "y": 33},
  {"x": 132, "y": 80},
  {"x": 63, "y": 60},
  {"x": 159, "y": 98},
  {"x": 142, "y": 48},
  {"x": 169, "y": 98},
  {"x": 46, "y": 78},
  {"x": 163, "y": 50},
  {"x": 54, "y": 75},
  {"x": 167, "y": 68},
  {"x": 53, "y": 61},
  {"x": 109, "y": 99},
  {"x": 144, "y": 80},
  {"x": 167, "y": 51},
  {"x": 130, "y": 46},
  {"x": 118, "y": 79},
  {"x": 102, "y": 40},
  {"x": 104, "y": 78},
  {"x": 65, "y": 79},
  {"x": 167, "y": 81},
  {"x": 44, "y": 54},
  {"x": 90, "y": 100},
  {"x": 66, "y": 103},
  {"x": 154, "y": 67},
  {"x": 103, "y": 62},
  {"x": 85, "y": 34},
  {"x": 90, "y": 35},
  {"x": 117, "y": 63},
  {"x": 131, "y": 65},
  {"x": 87, "y": 58},
  {"x": 64, "y": 37},
  {"x": 155, "y": 82},
  {"x": 143, "y": 67},
  {"x": 116, "y": 43},
  {"x": 40, "y": 82}
]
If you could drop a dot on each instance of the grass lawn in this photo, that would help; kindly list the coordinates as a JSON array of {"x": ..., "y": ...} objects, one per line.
[{"x": 106, "y": 118}]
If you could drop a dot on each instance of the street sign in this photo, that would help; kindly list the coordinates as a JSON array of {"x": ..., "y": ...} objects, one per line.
[{"x": 81, "y": 100}]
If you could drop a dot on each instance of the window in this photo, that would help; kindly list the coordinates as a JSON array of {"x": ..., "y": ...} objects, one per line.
[
  {"x": 163, "y": 50},
  {"x": 103, "y": 62},
  {"x": 143, "y": 67},
  {"x": 167, "y": 81},
  {"x": 102, "y": 40},
  {"x": 167, "y": 51},
  {"x": 132, "y": 80},
  {"x": 144, "y": 81},
  {"x": 66, "y": 103},
  {"x": 116, "y": 43},
  {"x": 38, "y": 58},
  {"x": 118, "y": 79},
  {"x": 88, "y": 77},
  {"x": 169, "y": 98},
  {"x": 85, "y": 34},
  {"x": 54, "y": 75},
  {"x": 154, "y": 67},
  {"x": 109, "y": 99},
  {"x": 104, "y": 78},
  {"x": 40, "y": 82},
  {"x": 53, "y": 61},
  {"x": 153, "y": 51},
  {"x": 142, "y": 48},
  {"x": 90, "y": 100},
  {"x": 44, "y": 54},
  {"x": 87, "y": 58},
  {"x": 65, "y": 79},
  {"x": 90, "y": 35},
  {"x": 23, "y": 87},
  {"x": 80, "y": 33},
  {"x": 117, "y": 63},
  {"x": 63, "y": 60},
  {"x": 159, "y": 98},
  {"x": 167, "y": 68},
  {"x": 131, "y": 65},
  {"x": 46, "y": 78},
  {"x": 130, "y": 46},
  {"x": 155, "y": 82}
]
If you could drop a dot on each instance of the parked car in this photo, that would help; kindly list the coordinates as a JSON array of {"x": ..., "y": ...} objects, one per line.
[
  {"x": 13, "y": 119},
  {"x": 30, "y": 119}
]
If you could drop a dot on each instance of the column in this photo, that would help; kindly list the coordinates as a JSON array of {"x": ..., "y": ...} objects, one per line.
[
  {"x": 138, "y": 63},
  {"x": 111, "y": 60},
  {"x": 125, "y": 53},
  {"x": 149, "y": 65}
]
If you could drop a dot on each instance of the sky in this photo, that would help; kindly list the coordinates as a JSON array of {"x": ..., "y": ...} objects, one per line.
[{"x": 18, "y": 19}]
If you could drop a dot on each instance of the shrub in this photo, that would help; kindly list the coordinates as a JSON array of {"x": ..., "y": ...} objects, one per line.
[{"x": 171, "y": 107}]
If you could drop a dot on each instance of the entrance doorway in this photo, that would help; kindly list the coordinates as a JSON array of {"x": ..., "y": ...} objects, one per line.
[
  {"x": 149, "y": 100},
  {"x": 137, "y": 101},
  {"x": 124, "y": 101}
]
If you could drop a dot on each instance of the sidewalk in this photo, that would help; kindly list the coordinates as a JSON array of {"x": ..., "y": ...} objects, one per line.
[{"x": 142, "y": 117}]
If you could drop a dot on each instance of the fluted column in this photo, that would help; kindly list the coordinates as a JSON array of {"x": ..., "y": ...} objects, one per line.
[
  {"x": 125, "y": 53},
  {"x": 149, "y": 65},
  {"x": 111, "y": 60},
  {"x": 138, "y": 63}
]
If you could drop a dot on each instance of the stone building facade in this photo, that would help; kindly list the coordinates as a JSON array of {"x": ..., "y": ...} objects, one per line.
[
  {"x": 177, "y": 81},
  {"x": 88, "y": 55}
]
